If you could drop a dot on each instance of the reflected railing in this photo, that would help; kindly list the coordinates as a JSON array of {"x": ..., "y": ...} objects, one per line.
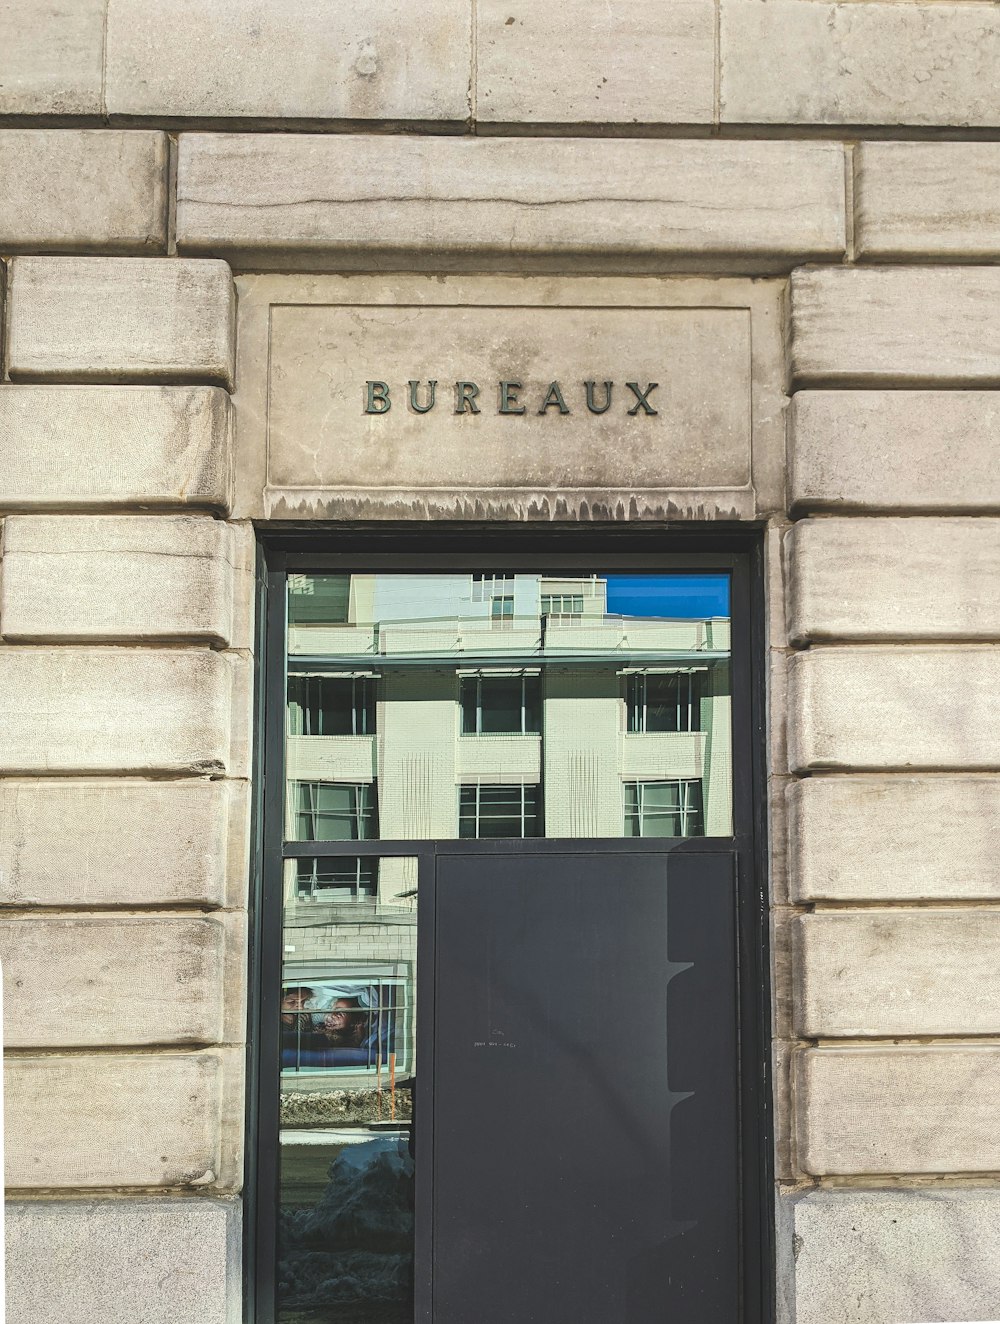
[{"x": 600, "y": 637}]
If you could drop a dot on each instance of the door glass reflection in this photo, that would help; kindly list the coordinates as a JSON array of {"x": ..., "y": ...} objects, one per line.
[
  {"x": 508, "y": 704},
  {"x": 348, "y": 1062}
]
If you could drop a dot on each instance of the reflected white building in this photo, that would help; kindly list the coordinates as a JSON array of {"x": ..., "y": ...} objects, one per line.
[{"x": 434, "y": 693}]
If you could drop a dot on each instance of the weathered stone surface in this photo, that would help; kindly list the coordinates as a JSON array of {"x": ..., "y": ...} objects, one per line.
[
  {"x": 108, "y": 710},
  {"x": 121, "y": 319},
  {"x": 782, "y": 925},
  {"x": 894, "y": 838},
  {"x": 898, "y": 1110},
  {"x": 872, "y": 1256},
  {"x": 162, "y": 1261},
  {"x": 916, "y": 325},
  {"x": 311, "y": 61},
  {"x": 242, "y": 714},
  {"x": 319, "y": 434},
  {"x": 778, "y": 826},
  {"x": 777, "y": 702},
  {"x": 782, "y": 1055},
  {"x": 83, "y": 190},
  {"x": 871, "y": 708},
  {"x": 914, "y": 200},
  {"x": 577, "y": 63},
  {"x": 122, "y": 1119},
  {"x": 895, "y": 450},
  {"x": 101, "y": 843},
  {"x": 134, "y": 577},
  {"x": 783, "y": 62},
  {"x": 137, "y": 446},
  {"x": 651, "y": 204},
  {"x": 937, "y": 579},
  {"x": 113, "y": 981},
  {"x": 51, "y": 57},
  {"x": 901, "y": 972},
  {"x": 308, "y": 450}
]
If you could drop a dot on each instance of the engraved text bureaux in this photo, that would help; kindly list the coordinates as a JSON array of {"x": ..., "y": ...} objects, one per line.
[{"x": 596, "y": 397}]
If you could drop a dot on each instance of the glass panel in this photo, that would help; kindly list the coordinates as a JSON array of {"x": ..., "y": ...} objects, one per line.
[
  {"x": 318, "y": 599},
  {"x": 470, "y": 705},
  {"x": 633, "y": 822},
  {"x": 576, "y": 687},
  {"x": 499, "y": 811},
  {"x": 502, "y": 612},
  {"x": 330, "y": 811},
  {"x": 500, "y": 703},
  {"x": 348, "y": 1060},
  {"x": 347, "y": 878},
  {"x": 664, "y": 809},
  {"x": 532, "y": 705},
  {"x": 330, "y": 706}
]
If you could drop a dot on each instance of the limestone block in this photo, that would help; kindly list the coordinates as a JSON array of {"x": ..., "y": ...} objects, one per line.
[
  {"x": 901, "y": 972},
  {"x": 162, "y": 1261},
  {"x": 578, "y": 62},
  {"x": 112, "y": 981},
  {"x": 311, "y": 61},
  {"x": 778, "y": 834},
  {"x": 784, "y": 62},
  {"x": 108, "y": 710},
  {"x": 872, "y": 708},
  {"x": 915, "y": 200},
  {"x": 136, "y": 446},
  {"x": 872, "y": 1256},
  {"x": 82, "y": 190},
  {"x": 112, "y": 843},
  {"x": 913, "y": 325},
  {"x": 782, "y": 1056},
  {"x": 242, "y": 714},
  {"x": 141, "y": 577},
  {"x": 121, "y": 319},
  {"x": 895, "y": 450},
  {"x": 775, "y": 579},
  {"x": 937, "y": 579},
  {"x": 122, "y": 1119},
  {"x": 51, "y": 57},
  {"x": 898, "y": 1110},
  {"x": 448, "y": 202},
  {"x": 782, "y": 971},
  {"x": 894, "y": 838}
]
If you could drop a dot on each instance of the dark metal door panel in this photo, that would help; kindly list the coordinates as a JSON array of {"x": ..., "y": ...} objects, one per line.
[{"x": 583, "y": 1131}]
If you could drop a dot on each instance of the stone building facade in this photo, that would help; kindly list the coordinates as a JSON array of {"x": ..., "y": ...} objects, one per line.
[{"x": 798, "y": 203}]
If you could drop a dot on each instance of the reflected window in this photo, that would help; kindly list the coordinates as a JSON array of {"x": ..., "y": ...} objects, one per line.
[
  {"x": 354, "y": 1021},
  {"x": 496, "y": 584},
  {"x": 330, "y": 811},
  {"x": 351, "y": 878},
  {"x": 502, "y": 613},
  {"x": 500, "y": 811},
  {"x": 331, "y": 705},
  {"x": 665, "y": 701},
  {"x": 496, "y": 705},
  {"x": 664, "y": 809},
  {"x": 565, "y": 606},
  {"x": 318, "y": 599}
]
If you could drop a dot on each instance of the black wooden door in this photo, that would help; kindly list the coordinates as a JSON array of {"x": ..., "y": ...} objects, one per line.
[{"x": 578, "y": 1143}]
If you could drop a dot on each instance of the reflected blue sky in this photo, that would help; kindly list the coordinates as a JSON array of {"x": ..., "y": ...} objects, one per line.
[{"x": 684, "y": 596}]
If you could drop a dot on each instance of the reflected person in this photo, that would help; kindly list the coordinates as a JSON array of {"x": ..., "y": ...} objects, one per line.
[
  {"x": 295, "y": 1024},
  {"x": 345, "y": 1024}
]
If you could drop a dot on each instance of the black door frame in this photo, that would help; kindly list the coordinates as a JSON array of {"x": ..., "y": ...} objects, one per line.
[{"x": 555, "y": 549}]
